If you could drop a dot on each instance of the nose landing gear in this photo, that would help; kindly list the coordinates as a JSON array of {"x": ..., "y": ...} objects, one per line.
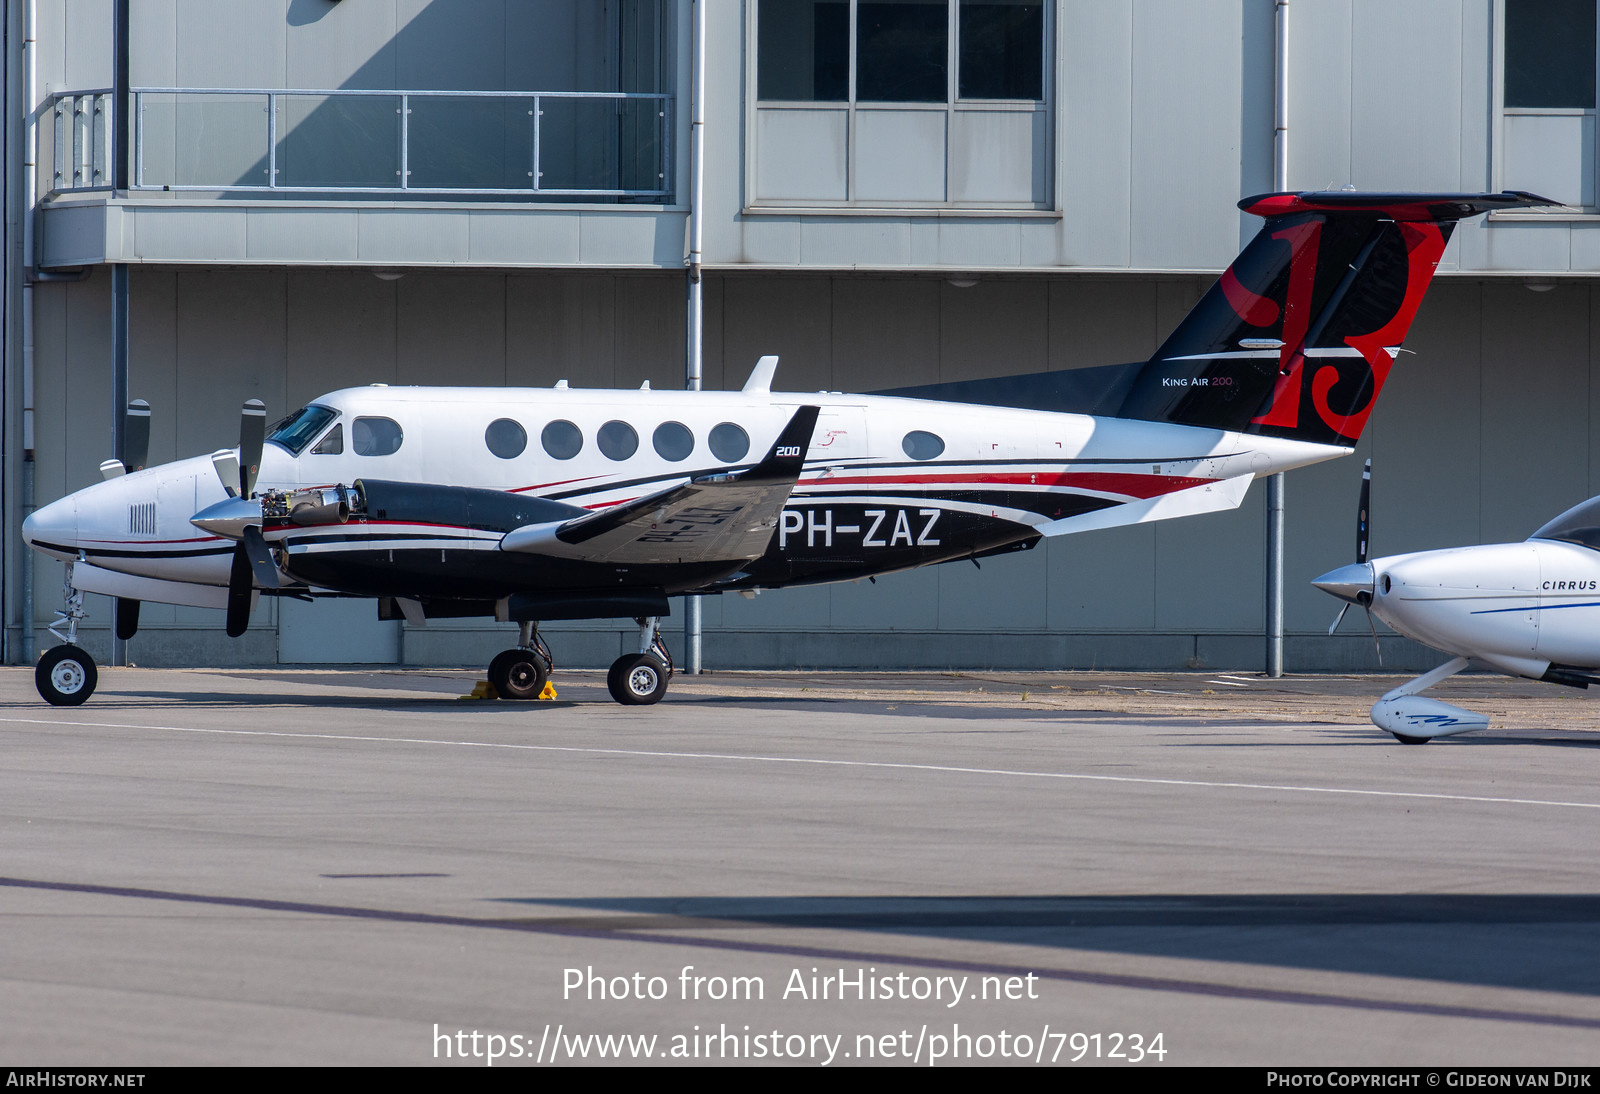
[{"x": 66, "y": 675}]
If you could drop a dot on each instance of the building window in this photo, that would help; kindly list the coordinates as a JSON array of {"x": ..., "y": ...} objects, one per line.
[
  {"x": 1547, "y": 98},
  {"x": 901, "y": 103}
]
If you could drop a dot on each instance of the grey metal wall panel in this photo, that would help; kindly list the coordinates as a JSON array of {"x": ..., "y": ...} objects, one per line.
[
  {"x": 1535, "y": 455},
  {"x": 1100, "y": 582},
  {"x": 980, "y": 244},
  {"x": 998, "y": 156},
  {"x": 770, "y": 240},
  {"x": 342, "y": 45},
  {"x": 517, "y": 239},
  {"x": 451, "y": 325},
  {"x": 1094, "y": 43},
  {"x": 1101, "y": 322},
  {"x": 852, "y": 242},
  {"x": 217, "y": 234},
  {"x": 885, "y": 332},
  {"x": 789, "y": 316},
  {"x": 1185, "y": 146},
  {"x": 1320, "y": 66},
  {"x": 803, "y": 155},
  {"x": 209, "y": 33},
  {"x": 899, "y": 155},
  {"x": 1405, "y": 106},
  {"x": 342, "y": 331},
  {"x": 403, "y": 236},
  {"x": 1210, "y": 571},
  {"x": 325, "y": 235},
  {"x": 994, "y": 328}
]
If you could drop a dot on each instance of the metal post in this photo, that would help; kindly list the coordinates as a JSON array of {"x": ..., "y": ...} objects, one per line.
[
  {"x": 119, "y": 270},
  {"x": 696, "y": 323},
  {"x": 1275, "y": 489},
  {"x": 119, "y": 403}
]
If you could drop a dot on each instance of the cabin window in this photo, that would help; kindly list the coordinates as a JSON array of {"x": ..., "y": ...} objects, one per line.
[
  {"x": 673, "y": 441},
  {"x": 297, "y": 430},
  {"x": 376, "y": 436},
  {"x": 332, "y": 444},
  {"x": 729, "y": 443},
  {"x": 505, "y": 438},
  {"x": 921, "y": 445},
  {"x": 562, "y": 440},
  {"x": 617, "y": 440}
]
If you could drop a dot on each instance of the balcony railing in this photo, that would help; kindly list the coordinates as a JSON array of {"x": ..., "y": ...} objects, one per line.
[{"x": 529, "y": 145}]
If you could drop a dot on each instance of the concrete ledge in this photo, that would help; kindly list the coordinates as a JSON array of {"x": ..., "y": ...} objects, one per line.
[{"x": 597, "y": 647}]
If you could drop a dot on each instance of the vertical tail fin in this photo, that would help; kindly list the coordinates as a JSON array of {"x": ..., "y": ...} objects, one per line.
[{"x": 1298, "y": 335}]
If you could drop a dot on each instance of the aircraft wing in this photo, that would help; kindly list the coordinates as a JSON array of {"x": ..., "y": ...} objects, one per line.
[{"x": 713, "y": 518}]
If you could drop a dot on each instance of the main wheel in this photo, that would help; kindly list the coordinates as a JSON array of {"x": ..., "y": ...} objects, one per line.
[
  {"x": 1406, "y": 739},
  {"x": 65, "y": 676},
  {"x": 637, "y": 679},
  {"x": 518, "y": 674}
]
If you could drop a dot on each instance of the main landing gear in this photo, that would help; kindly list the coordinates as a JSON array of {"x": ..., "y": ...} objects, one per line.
[
  {"x": 66, "y": 675},
  {"x": 635, "y": 679},
  {"x": 639, "y": 679},
  {"x": 522, "y": 673}
]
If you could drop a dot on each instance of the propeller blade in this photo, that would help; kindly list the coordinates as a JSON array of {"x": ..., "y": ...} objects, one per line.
[
  {"x": 227, "y": 465},
  {"x": 1339, "y": 618},
  {"x": 1375, "y": 646},
  {"x": 260, "y": 555},
  {"x": 252, "y": 436},
  {"x": 136, "y": 436},
  {"x": 1364, "y": 512},
  {"x": 239, "y": 589}
]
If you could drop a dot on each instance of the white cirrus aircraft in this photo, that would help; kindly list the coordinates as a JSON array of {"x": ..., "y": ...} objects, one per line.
[
  {"x": 532, "y": 505},
  {"x": 1529, "y": 609}
]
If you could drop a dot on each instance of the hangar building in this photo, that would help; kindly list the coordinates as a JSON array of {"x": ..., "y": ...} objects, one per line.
[{"x": 316, "y": 194}]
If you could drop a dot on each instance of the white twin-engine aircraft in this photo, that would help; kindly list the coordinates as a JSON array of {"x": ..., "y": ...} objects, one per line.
[
  {"x": 1527, "y": 609},
  {"x": 532, "y": 505}
]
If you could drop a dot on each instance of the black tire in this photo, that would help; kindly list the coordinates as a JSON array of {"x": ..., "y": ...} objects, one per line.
[
  {"x": 518, "y": 675},
  {"x": 1408, "y": 740},
  {"x": 637, "y": 680},
  {"x": 65, "y": 676}
]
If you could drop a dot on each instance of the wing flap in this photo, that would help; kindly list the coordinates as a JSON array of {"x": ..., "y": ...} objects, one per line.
[{"x": 713, "y": 518}]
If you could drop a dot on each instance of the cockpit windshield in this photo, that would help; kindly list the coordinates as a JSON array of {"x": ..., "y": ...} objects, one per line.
[
  {"x": 301, "y": 428},
  {"x": 1580, "y": 525}
]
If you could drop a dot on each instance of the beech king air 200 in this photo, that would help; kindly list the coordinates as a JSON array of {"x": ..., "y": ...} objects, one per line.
[{"x": 533, "y": 505}]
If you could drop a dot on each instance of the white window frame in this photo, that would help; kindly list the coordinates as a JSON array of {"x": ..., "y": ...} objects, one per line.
[
  {"x": 853, "y": 109},
  {"x": 1499, "y": 137}
]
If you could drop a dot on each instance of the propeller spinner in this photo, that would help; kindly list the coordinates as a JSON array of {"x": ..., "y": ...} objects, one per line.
[{"x": 241, "y": 516}]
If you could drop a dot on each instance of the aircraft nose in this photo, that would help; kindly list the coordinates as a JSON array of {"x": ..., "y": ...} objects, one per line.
[
  {"x": 1352, "y": 583},
  {"x": 53, "y": 528}
]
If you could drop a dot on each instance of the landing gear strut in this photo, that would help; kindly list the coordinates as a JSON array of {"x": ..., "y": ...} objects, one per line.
[
  {"x": 66, "y": 675},
  {"x": 639, "y": 679},
  {"x": 522, "y": 673}
]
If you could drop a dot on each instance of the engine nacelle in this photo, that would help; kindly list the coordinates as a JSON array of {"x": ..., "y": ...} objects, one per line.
[{"x": 1419, "y": 716}]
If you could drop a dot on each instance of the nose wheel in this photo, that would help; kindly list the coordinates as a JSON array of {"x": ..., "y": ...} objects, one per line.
[{"x": 65, "y": 676}]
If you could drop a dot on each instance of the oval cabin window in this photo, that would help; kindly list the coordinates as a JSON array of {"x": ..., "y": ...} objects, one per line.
[
  {"x": 562, "y": 440},
  {"x": 505, "y": 438}
]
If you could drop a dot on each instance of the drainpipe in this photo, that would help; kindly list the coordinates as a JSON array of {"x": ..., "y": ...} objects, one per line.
[
  {"x": 696, "y": 324},
  {"x": 1275, "y": 491}
]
